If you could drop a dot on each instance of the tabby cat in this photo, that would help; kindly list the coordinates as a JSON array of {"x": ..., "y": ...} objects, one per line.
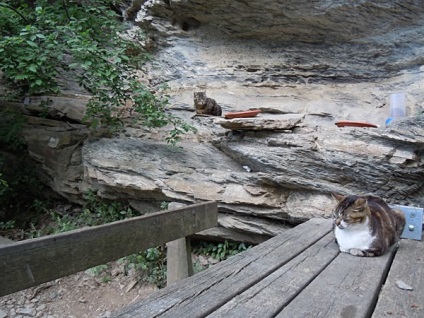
[
  {"x": 205, "y": 105},
  {"x": 366, "y": 225}
]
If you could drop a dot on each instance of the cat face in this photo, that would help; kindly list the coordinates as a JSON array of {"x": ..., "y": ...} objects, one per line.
[
  {"x": 200, "y": 98},
  {"x": 351, "y": 211}
]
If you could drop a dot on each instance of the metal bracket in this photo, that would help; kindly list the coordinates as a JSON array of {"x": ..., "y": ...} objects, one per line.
[{"x": 414, "y": 222}]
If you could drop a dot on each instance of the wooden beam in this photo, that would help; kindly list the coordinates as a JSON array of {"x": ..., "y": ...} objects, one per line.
[
  {"x": 178, "y": 260},
  {"x": 28, "y": 263},
  {"x": 5, "y": 241}
]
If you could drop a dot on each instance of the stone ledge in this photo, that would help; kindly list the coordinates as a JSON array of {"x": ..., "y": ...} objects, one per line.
[{"x": 262, "y": 122}]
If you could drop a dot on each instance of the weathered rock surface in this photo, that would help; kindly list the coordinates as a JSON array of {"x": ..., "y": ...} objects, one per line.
[
  {"x": 305, "y": 65},
  {"x": 266, "y": 178},
  {"x": 337, "y": 57},
  {"x": 263, "y": 122},
  {"x": 56, "y": 147},
  {"x": 262, "y": 180}
]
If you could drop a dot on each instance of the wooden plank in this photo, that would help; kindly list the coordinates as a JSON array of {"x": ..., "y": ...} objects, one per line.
[
  {"x": 5, "y": 241},
  {"x": 348, "y": 287},
  {"x": 269, "y": 296},
  {"x": 408, "y": 267},
  {"x": 178, "y": 260},
  {"x": 32, "y": 262},
  {"x": 206, "y": 291}
]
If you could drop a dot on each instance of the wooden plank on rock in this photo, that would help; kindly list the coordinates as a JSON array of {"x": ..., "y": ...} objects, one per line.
[
  {"x": 28, "y": 263},
  {"x": 206, "y": 291},
  {"x": 407, "y": 270},
  {"x": 270, "y": 295},
  {"x": 348, "y": 287}
]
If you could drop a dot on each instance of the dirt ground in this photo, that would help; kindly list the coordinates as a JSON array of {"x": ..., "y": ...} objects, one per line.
[{"x": 91, "y": 293}]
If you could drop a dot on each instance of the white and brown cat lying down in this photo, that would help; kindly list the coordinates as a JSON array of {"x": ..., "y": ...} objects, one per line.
[{"x": 366, "y": 225}]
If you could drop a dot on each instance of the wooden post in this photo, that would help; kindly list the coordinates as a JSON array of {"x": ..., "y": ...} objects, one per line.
[{"x": 178, "y": 257}]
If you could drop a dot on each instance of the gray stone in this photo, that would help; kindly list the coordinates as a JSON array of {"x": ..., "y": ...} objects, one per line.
[
  {"x": 262, "y": 122},
  {"x": 3, "y": 313},
  {"x": 26, "y": 311}
]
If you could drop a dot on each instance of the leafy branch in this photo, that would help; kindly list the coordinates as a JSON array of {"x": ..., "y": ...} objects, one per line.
[
  {"x": 5, "y": 5},
  {"x": 84, "y": 41}
]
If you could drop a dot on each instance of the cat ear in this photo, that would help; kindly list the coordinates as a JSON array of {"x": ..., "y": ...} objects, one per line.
[
  {"x": 360, "y": 202},
  {"x": 338, "y": 197}
]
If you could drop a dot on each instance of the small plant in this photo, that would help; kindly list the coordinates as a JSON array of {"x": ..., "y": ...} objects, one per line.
[
  {"x": 164, "y": 205},
  {"x": 3, "y": 186},
  {"x": 63, "y": 223},
  {"x": 40, "y": 206},
  {"x": 96, "y": 270},
  {"x": 152, "y": 263},
  {"x": 8, "y": 225},
  {"x": 220, "y": 251},
  {"x": 97, "y": 211},
  {"x": 33, "y": 232}
]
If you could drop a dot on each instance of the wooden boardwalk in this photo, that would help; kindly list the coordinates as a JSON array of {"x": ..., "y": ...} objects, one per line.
[{"x": 299, "y": 273}]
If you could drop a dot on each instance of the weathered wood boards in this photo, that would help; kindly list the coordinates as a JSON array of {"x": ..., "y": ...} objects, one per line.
[
  {"x": 300, "y": 273},
  {"x": 207, "y": 291},
  {"x": 408, "y": 267},
  {"x": 348, "y": 287},
  {"x": 5, "y": 241},
  {"x": 32, "y": 262},
  {"x": 266, "y": 298}
]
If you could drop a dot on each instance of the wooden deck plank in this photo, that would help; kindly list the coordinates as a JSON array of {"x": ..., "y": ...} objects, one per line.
[
  {"x": 348, "y": 287},
  {"x": 32, "y": 262},
  {"x": 5, "y": 241},
  {"x": 206, "y": 291},
  {"x": 267, "y": 298},
  {"x": 408, "y": 267}
]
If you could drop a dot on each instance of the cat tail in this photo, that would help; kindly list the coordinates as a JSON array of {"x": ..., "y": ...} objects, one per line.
[{"x": 400, "y": 222}]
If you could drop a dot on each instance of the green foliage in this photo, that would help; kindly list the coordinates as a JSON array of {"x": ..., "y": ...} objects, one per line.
[
  {"x": 3, "y": 186},
  {"x": 97, "y": 270},
  {"x": 11, "y": 124},
  {"x": 152, "y": 263},
  {"x": 220, "y": 251},
  {"x": 164, "y": 205},
  {"x": 8, "y": 225},
  {"x": 98, "y": 211},
  {"x": 18, "y": 183},
  {"x": 42, "y": 39}
]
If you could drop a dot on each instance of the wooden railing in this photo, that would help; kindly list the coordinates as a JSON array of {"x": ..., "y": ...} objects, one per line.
[{"x": 35, "y": 261}]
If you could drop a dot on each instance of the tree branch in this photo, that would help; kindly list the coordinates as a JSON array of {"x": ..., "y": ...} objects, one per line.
[{"x": 2, "y": 4}]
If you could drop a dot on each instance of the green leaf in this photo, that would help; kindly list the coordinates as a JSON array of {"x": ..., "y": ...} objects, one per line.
[
  {"x": 21, "y": 77},
  {"x": 31, "y": 43},
  {"x": 33, "y": 68}
]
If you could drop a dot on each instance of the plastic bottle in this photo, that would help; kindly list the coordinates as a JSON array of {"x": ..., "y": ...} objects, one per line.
[{"x": 397, "y": 107}]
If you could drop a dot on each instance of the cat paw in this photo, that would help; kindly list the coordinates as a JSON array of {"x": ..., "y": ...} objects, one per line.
[
  {"x": 356, "y": 252},
  {"x": 344, "y": 250}
]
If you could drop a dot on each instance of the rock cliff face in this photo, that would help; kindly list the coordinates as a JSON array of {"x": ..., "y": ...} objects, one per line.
[{"x": 305, "y": 64}]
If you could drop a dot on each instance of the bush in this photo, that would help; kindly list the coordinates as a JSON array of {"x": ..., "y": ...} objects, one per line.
[{"x": 41, "y": 39}]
